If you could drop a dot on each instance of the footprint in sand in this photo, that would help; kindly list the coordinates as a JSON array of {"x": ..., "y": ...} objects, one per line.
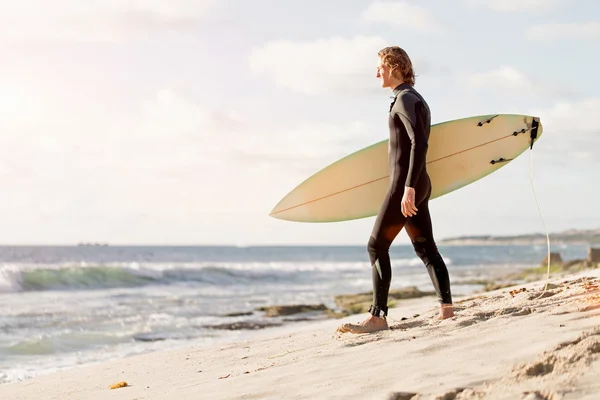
[
  {"x": 460, "y": 394},
  {"x": 547, "y": 293},
  {"x": 515, "y": 311},
  {"x": 408, "y": 325},
  {"x": 539, "y": 395},
  {"x": 468, "y": 322},
  {"x": 566, "y": 357},
  {"x": 402, "y": 396},
  {"x": 483, "y": 316}
]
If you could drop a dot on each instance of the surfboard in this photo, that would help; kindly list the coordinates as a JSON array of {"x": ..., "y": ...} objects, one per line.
[{"x": 460, "y": 152}]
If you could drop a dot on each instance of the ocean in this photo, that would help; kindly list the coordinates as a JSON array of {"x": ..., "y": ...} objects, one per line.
[{"x": 62, "y": 307}]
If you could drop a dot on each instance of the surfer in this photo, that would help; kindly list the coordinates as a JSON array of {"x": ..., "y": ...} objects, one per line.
[{"x": 406, "y": 204}]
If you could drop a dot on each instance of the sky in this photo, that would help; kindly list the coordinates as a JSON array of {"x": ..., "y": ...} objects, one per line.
[{"x": 185, "y": 122}]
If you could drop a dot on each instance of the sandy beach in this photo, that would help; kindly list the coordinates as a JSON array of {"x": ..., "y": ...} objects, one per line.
[{"x": 519, "y": 342}]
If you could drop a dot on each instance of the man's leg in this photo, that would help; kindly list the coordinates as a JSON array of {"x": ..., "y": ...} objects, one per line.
[
  {"x": 420, "y": 231},
  {"x": 388, "y": 224}
]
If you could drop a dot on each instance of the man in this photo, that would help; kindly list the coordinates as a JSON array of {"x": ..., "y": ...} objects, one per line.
[{"x": 406, "y": 204}]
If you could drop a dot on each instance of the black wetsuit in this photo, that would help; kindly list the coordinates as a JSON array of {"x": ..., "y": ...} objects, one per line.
[{"x": 410, "y": 124}]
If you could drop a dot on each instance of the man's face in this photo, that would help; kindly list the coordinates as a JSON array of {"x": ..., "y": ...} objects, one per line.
[{"x": 383, "y": 74}]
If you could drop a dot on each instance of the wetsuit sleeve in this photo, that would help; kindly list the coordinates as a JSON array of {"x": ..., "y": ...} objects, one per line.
[{"x": 407, "y": 113}]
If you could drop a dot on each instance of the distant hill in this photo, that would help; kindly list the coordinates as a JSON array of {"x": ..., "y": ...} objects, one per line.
[{"x": 571, "y": 236}]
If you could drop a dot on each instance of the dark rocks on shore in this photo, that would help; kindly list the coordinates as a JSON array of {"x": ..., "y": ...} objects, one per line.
[
  {"x": 359, "y": 303},
  {"x": 555, "y": 259},
  {"x": 277, "y": 311},
  {"x": 348, "y": 304},
  {"x": 593, "y": 255},
  {"x": 557, "y": 266},
  {"x": 247, "y": 325},
  {"x": 239, "y": 314}
]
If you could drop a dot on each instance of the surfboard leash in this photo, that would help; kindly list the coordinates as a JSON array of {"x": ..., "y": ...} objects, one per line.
[{"x": 533, "y": 136}]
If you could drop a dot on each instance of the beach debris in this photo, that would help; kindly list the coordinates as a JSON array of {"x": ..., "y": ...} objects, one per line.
[
  {"x": 225, "y": 376},
  {"x": 516, "y": 291},
  {"x": 118, "y": 385},
  {"x": 589, "y": 286}
]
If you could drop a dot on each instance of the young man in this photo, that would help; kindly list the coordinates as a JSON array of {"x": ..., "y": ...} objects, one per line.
[{"x": 406, "y": 202}]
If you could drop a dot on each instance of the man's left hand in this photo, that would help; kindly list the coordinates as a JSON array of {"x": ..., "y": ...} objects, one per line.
[{"x": 408, "y": 202}]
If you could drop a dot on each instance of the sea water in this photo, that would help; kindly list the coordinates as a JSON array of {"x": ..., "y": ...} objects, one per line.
[{"x": 66, "y": 306}]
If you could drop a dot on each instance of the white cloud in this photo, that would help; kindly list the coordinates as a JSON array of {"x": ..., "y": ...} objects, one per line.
[
  {"x": 574, "y": 119},
  {"x": 97, "y": 20},
  {"x": 568, "y": 131},
  {"x": 568, "y": 135},
  {"x": 304, "y": 148},
  {"x": 518, "y": 5},
  {"x": 85, "y": 174},
  {"x": 505, "y": 77},
  {"x": 509, "y": 80},
  {"x": 401, "y": 13},
  {"x": 588, "y": 30},
  {"x": 61, "y": 159},
  {"x": 324, "y": 65}
]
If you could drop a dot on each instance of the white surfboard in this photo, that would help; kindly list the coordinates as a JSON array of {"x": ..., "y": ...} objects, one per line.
[{"x": 460, "y": 152}]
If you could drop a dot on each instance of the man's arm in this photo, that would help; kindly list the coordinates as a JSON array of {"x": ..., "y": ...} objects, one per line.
[{"x": 407, "y": 114}]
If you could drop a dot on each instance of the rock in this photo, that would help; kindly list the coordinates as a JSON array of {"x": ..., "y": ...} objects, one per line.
[
  {"x": 244, "y": 325},
  {"x": 150, "y": 337},
  {"x": 573, "y": 264},
  {"x": 239, "y": 314},
  {"x": 276, "y": 311},
  {"x": 555, "y": 259},
  {"x": 359, "y": 303},
  {"x": 593, "y": 255}
]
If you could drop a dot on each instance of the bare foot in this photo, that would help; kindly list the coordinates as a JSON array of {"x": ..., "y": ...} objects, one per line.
[
  {"x": 446, "y": 311},
  {"x": 370, "y": 325}
]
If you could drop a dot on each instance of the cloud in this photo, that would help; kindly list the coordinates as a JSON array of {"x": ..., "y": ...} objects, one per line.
[
  {"x": 506, "y": 77},
  {"x": 517, "y": 5},
  {"x": 401, "y": 13},
  {"x": 97, "y": 20},
  {"x": 568, "y": 133},
  {"x": 574, "y": 118},
  {"x": 302, "y": 149},
  {"x": 510, "y": 80},
  {"x": 326, "y": 65},
  {"x": 86, "y": 173},
  {"x": 580, "y": 31},
  {"x": 62, "y": 158}
]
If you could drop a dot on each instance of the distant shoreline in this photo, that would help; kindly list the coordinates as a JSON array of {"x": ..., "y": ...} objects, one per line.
[
  {"x": 515, "y": 242},
  {"x": 573, "y": 236}
]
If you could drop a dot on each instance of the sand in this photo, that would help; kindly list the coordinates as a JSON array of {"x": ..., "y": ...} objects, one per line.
[{"x": 500, "y": 345}]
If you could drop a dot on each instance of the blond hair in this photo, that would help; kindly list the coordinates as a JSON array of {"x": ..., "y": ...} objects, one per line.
[{"x": 398, "y": 62}]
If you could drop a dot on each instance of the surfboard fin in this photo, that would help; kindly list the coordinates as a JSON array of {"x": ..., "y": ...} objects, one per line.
[
  {"x": 534, "y": 131},
  {"x": 500, "y": 160}
]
